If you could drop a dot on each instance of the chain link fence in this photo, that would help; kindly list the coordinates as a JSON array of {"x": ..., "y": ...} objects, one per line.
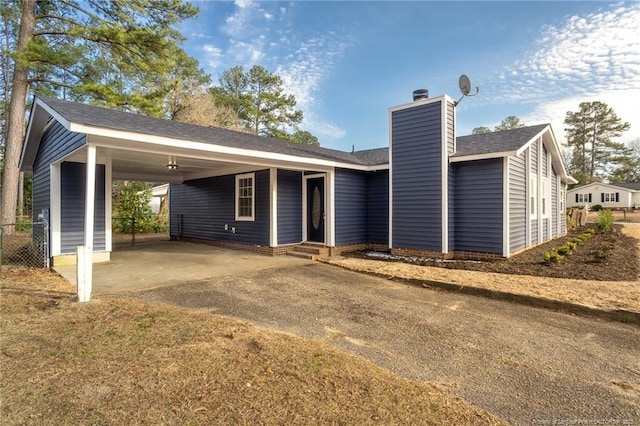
[{"x": 24, "y": 244}]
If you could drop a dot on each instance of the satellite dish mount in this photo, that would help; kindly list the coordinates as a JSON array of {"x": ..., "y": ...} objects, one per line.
[{"x": 465, "y": 88}]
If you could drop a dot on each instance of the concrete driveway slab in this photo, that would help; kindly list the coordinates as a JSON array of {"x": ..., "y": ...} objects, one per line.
[
  {"x": 527, "y": 365},
  {"x": 161, "y": 263}
]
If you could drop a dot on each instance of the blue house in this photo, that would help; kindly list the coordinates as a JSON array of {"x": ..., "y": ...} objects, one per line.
[{"x": 429, "y": 193}]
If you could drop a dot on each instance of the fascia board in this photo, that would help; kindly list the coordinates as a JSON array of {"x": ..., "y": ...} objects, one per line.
[
  {"x": 485, "y": 156},
  {"x": 206, "y": 147}
]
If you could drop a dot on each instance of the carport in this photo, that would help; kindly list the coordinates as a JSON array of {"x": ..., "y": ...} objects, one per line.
[
  {"x": 160, "y": 263},
  {"x": 104, "y": 145}
]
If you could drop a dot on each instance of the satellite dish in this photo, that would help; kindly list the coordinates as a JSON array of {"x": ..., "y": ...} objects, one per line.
[{"x": 465, "y": 85}]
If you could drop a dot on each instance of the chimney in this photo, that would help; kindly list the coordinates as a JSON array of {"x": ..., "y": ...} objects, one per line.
[{"x": 420, "y": 94}]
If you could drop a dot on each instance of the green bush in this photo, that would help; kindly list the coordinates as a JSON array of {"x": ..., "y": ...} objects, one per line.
[
  {"x": 605, "y": 220},
  {"x": 596, "y": 208},
  {"x": 589, "y": 232},
  {"x": 564, "y": 250},
  {"x": 552, "y": 257}
]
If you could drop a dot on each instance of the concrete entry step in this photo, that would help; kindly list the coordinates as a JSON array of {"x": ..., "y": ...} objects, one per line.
[{"x": 309, "y": 251}]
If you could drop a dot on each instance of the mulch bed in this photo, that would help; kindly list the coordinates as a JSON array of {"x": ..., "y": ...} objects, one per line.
[{"x": 610, "y": 256}]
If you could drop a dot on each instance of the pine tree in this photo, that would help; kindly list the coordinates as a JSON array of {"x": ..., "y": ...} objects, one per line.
[
  {"x": 258, "y": 97},
  {"x": 85, "y": 50},
  {"x": 511, "y": 122},
  {"x": 590, "y": 131}
]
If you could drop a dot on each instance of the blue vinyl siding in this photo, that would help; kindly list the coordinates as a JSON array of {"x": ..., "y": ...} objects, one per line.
[
  {"x": 351, "y": 207},
  {"x": 289, "y": 207},
  {"x": 555, "y": 207},
  {"x": 56, "y": 142},
  {"x": 206, "y": 205},
  {"x": 478, "y": 197},
  {"x": 533, "y": 149},
  {"x": 378, "y": 207},
  {"x": 72, "y": 207},
  {"x": 416, "y": 156},
  {"x": 517, "y": 202}
]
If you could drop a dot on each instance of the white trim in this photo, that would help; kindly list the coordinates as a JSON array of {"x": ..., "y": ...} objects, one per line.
[
  {"x": 108, "y": 185},
  {"x": 544, "y": 196},
  {"x": 444, "y": 176},
  {"x": 328, "y": 218},
  {"x": 273, "y": 207},
  {"x": 390, "y": 191},
  {"x": 505, "y": 208},
  {"x": 484, "y": 156},
  {"x": 251, "y": 218},
  {"x": 55, "y": 202},
  {"x": 85, "y": 261},
  {"x": 419, "y": 102},
  {"x": 532, "y": 140},
  {"x": 527, "y": 210},
  {"x": 539, "y": 198},
  {"x": 330, "y": 228},
  {"x": 185, "y": 144},
  {"x": 549, "y": 194},
  {"x": 533, "y": 193}
]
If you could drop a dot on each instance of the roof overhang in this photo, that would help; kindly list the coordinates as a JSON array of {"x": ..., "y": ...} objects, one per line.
[
  {"x": 142, "y": 156},
  {"x": 608, "y": 185},
  {"x": 549, "y": 141}
]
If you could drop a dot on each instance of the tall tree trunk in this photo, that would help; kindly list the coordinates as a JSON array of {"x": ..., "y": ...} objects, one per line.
[{"x": 16, "y": 118}]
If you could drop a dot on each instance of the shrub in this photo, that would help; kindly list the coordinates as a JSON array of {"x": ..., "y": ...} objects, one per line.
[
  {"x": 589, "y": 232},
  {"x": 564, "y": 250},
  {"x": 605, "y": 220},
  {"x": 596, "y": 208},
  {"x": 552, "y": 257}
]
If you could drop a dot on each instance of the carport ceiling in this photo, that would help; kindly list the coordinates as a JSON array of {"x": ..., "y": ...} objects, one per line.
[{"x": 152, "y": 167}]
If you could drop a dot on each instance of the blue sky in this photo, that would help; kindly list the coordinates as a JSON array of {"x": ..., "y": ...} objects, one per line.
[{"x": 348, "y": 62}]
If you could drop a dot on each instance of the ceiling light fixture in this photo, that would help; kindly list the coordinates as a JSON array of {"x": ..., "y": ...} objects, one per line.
[{"x": 172, "y": 164}]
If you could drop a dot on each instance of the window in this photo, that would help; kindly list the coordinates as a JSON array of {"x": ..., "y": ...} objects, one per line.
[
  {"x": 583, "y": 198},
  {"x": 533, "y": 195},
  {"x": 545, "y": 197},
  {"x": 610, "y": 197},
  {"x": 244, "y": 197}
]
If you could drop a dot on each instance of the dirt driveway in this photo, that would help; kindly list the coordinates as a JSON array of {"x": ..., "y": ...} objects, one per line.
[{"x": 527, "y": 365}]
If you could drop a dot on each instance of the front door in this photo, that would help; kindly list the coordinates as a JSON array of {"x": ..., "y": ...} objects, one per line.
[{"x": 315, "y": 210}]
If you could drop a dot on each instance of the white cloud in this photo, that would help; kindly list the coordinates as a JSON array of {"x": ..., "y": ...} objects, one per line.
[
  {"x": 268, "y": 16},
  {"x": 212, "y": 55},
  {"x": 303, "y": 74},
  {"x": 592, "y": 57},
  {"x": 322, "y": 129}
]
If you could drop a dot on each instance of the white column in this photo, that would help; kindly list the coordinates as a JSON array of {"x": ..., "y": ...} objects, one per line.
[
  {"x": 273, "y": 207},
  {"x": 108, "y": 186},
  {"x": 85, "y": 256}
]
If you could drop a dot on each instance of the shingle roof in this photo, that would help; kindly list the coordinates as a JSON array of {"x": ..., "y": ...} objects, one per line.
[
  {"x": 118, "y": 120},
  {"x": 373, "y": 157},
  {"x": 503, "y": 141},
  {"x": 494, "y": 142},
  {"x": 634, "y": 186}
]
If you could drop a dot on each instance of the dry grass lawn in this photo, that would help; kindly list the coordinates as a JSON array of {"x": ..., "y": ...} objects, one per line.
[{"x": 124, "y": 362}]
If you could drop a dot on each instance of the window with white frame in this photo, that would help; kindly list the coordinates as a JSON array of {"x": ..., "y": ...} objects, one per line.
[
  {"x": 609, "y": 197},
  {"x": 533, "y": 195},
  {"x": 583, "y": 198},
  {"x": 545, "y": 197},
  {"x": 245, "y": 200}
]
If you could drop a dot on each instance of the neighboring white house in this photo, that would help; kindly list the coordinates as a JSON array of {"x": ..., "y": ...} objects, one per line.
[
  {"x": 608, "y": 195},
  {"x": 158, "y": 193}
]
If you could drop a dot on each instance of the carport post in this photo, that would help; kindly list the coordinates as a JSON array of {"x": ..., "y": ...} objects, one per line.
[{"x": 85, "y": 254}]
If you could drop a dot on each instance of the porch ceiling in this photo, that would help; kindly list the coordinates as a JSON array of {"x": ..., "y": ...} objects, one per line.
[{"x": 152, "y": 167}]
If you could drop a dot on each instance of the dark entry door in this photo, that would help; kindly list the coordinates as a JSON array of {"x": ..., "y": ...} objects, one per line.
[{"x": 315, "y": 210}]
